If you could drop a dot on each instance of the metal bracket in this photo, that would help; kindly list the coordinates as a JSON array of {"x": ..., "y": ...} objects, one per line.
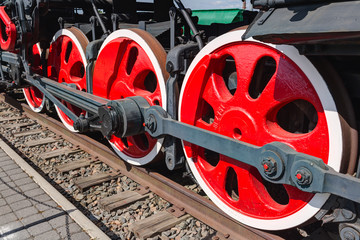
[
  {"x": 115, "y": 20},
  {"x": 265, "y": 16},
  {"x": 61, "y": 22},
  {"x": 92, "y": 51},
  {"x": 342, "y": 210},
  {"x": 176, "y": 60},
  {"x": 93, "y": 21}
]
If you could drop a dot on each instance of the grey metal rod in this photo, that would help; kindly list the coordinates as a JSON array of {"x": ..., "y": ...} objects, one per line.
[
  {"x": 83, "y": 100},
  {"x": 190, "y": 23},
  {"x": 98, "y": 17}
]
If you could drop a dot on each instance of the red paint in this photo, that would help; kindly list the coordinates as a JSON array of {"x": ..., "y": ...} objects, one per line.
[
  {"x": 266, "y": 167},
  {"x": 299, "y": 176},
  {"x": 257, "y": 120},
  {"x": 10, "y": 31}
]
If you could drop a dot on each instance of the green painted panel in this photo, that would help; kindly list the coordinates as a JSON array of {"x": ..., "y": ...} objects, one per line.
[{"x": 207, "y": 17}]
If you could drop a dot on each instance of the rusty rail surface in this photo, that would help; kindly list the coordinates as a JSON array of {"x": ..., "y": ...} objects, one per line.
[{"x": 194, "y": 204}]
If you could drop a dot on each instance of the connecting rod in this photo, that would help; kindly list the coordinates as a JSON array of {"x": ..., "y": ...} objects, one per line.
[{"x": 276, "y": 162}]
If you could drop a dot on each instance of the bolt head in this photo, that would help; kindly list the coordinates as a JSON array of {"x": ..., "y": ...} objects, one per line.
[
  {"x": 299, "y": 176},
  {"x": 349, "y": 236},
  {"x": 150, "y": 123},
  {"x": 349, "y": 233},
  {"x": 269, "y": 165},
  {"x": 266, "y": 167},
  {"x": 169, "y": 67},
  {"x": 303, "y": 176}
]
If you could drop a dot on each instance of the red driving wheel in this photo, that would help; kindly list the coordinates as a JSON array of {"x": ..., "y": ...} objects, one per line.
[
  {"x": 67, "y": 64},
  {"x": 34, "y": 96},
  {"x": 132, "y": 63},
  {"x": 259, "y": 94}
]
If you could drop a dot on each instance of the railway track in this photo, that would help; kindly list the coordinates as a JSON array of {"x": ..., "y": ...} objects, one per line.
[{"x": 126, "y": 200}]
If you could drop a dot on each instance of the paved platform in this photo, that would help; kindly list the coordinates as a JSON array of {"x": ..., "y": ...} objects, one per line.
[{"x": 28, "y": 212}]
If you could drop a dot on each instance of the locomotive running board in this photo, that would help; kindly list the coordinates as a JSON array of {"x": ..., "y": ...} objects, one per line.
[
  {"x": 276, "y": 162},
  {"x": 305, "y": 21}
]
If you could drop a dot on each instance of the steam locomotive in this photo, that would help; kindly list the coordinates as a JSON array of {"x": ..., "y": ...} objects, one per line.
[{"x": 264, "y": 112}]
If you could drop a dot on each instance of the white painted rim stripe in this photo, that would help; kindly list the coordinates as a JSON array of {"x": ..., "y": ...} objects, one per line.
[
  {"x": 41, "y": 107},
  {"x": 68, "y": 126},
  {"x": 333, "y": 121},
  {"x": 67, "y": 206},
  {"x": 66, "y": 32},
  {"x": 125, "y": 33}
]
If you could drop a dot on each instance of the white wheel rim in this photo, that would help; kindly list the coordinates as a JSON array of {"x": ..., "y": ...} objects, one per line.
[
  {"x": 124, "y": 33},
  {"x": 333, "y": 121}
]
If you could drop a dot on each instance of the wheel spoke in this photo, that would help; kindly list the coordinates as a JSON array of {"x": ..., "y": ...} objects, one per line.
[
  {"x": 216, "y": 93},
  {"x": 140, "y": 142},
  {"x": 253, "y": 198},
  {"x": 211, "y": 173},
  {"x": 150, "y": 97},
  {"x": 267, "y": 101},
  {"x": 138, "y": 70},
  {"x": 201, "y": 124},
  {"x": 121, "y": 90},
  {"x": 60, "y": 48},
  {"x": 74, "y": 58},
  {"x": 121, "y": 59},
  {"x": 245, "y": 61},
  {"x": 300, "y": 142}
]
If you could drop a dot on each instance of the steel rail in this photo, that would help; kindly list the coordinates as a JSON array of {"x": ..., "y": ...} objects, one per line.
[{"x": 194, "y": 204}]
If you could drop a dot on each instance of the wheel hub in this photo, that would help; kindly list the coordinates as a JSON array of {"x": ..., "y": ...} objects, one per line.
[{"x": 237, "y": 124}]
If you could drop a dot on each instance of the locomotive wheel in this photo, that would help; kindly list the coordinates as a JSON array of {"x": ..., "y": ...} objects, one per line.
[
  {"x": 67, "y": 64},
  {"x": 132, "y": 63},
  {"x": 34, "y": 96},
  {"x": 258, "y": 94}
]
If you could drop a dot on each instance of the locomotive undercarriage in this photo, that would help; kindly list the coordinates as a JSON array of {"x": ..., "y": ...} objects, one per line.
[{"x": 190, "y": 104}]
